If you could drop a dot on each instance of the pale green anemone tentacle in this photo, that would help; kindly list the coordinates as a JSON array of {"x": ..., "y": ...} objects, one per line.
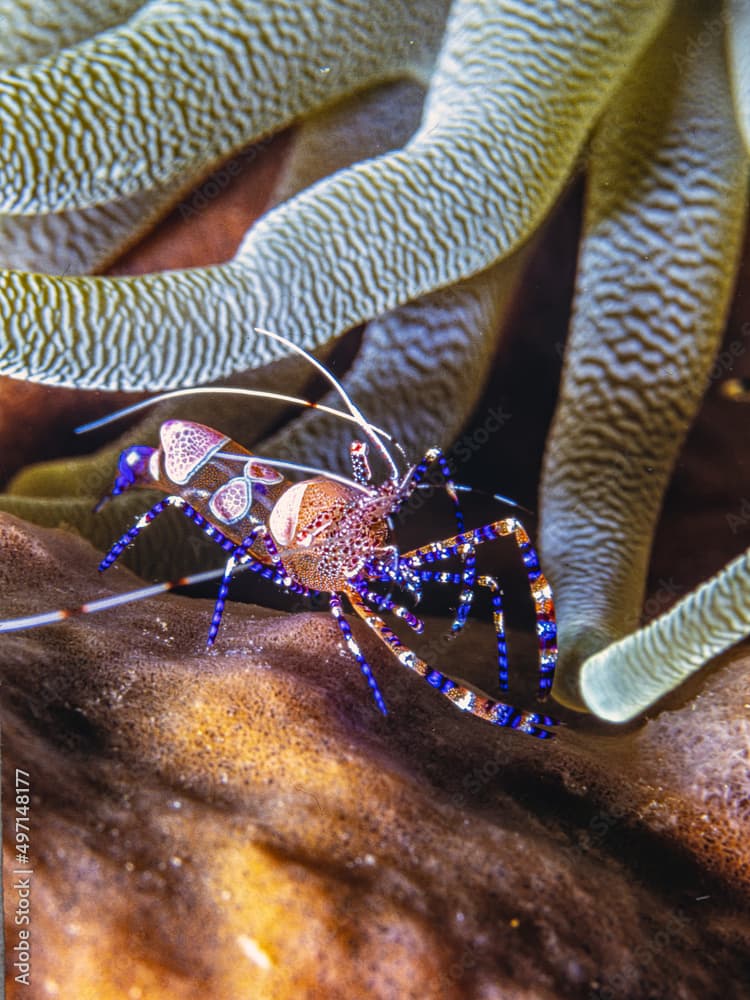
[
  {"x": 662, "y": 235},
  {"x": 420, "y": 371},
  {"x": 30, "y": 30},
  {"x": 507, "y": 113},
  {"x": 738, "y": 44},
  {"x": 46, "y": 493},
  {"x": 527, "y": 75},
  {"x": 81, "y": 240},
  {"x": 429, "y": 357},
  {"x": 183, "y": 84},
  {"x": 421, "y": 368},
  {"x": 628, "y": 677},
  {"x": 371, "y": 122},
  {"x": 85, "y": 239},
  {"x": 88, "y": 239}
]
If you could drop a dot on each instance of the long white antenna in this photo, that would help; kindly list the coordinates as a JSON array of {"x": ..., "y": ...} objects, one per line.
[
  {"x": 353, "y": 409},
  {"x": 104, "y": 603},
  {"x": 223, "y": 390}
]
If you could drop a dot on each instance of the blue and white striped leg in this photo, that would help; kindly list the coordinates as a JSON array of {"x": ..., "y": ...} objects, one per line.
[
  {"x": 460, "y": 579},
  {"x": 498, "y": 713},
  {"x": 384, "y": 602},
  {"x": 338, "y": 613},
  {"x": 541, "y": 593},
  {"x": 242, "y": 557},
  {"x": 240, "y": 554},
  {"x": 466, "y": 552},
  {"x": 394, "y": 572},
  {"x": 498, "y": 620},
  {"x": 273, "y": 555},
  {"x": 146, "y": 519},
  {"x": 434, "y": 456},
  {"x": 498, "y": 616}
]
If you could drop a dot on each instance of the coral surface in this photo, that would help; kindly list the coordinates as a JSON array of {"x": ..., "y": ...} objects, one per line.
[{"x": 245, "y": 823}]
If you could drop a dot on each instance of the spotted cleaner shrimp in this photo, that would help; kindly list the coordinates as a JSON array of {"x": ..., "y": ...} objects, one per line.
[{"x": 329, "y": 533}]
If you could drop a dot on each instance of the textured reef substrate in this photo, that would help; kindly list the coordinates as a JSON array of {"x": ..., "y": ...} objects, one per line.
[{"x": 244, "y": 823}]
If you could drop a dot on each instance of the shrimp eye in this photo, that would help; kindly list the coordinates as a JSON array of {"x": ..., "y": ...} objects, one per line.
[
  {"x": 132, "y": 466},
  {"x": 132, "y": 469}
]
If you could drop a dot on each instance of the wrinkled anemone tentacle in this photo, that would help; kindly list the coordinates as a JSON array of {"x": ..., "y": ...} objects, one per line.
[
  {"x": 434, "y": 352},
  {"x": 628, "y": 677},
  {"x": 370, "y": 123},
  {"x": 738, "y": 45},
  {"x": 504, "y": 102},
  {"x": 82, "y": 240},
  {"x": 212, "y": 85},
  {"x": 661, "y": 241},
  {"x": 32, "y": 31}
]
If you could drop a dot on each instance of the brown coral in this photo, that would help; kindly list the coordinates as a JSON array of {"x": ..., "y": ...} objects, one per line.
[{"x": 244, "y": 823}]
